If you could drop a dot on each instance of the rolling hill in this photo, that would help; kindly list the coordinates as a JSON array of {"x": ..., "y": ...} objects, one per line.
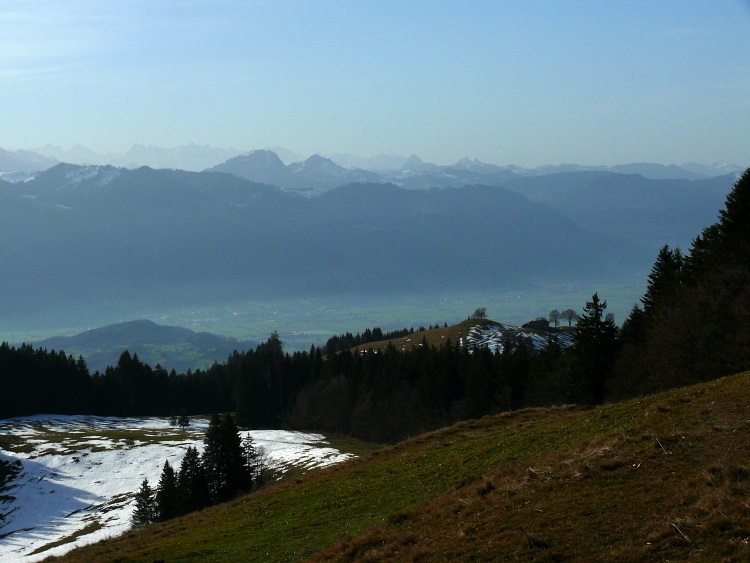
[
  {"x": 170, "y": 346},
  {"x": 663, "y": 477}
]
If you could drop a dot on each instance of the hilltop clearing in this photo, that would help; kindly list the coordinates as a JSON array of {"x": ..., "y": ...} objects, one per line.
[
  {"x": 475, "y": 333},
  {"x": 660, "y": 478}
]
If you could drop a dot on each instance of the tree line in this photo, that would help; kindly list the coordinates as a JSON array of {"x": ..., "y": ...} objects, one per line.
[
  {"x": 340, "y": 342},
  {"x": 42, "y": 381},
  {"x": 378, "y": 395}
]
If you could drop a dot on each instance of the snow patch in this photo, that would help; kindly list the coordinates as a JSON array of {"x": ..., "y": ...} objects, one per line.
[
  {"x": 80, "y": 473},
  {"x": 104, "y": 175},
  {"x": 17, "y": 177},
  {"x": 495, "y": 337}
]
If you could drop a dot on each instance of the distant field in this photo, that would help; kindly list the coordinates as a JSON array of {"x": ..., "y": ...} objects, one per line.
[{"x": 302, "y": 322}]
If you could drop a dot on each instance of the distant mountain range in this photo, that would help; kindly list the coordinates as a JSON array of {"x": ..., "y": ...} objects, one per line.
[
  {"x": 78, "y": 239},
  {"x": 315, "y": 174},
  {"x": 288, "y": 170},
  {"x": 170, "y": 346},
  {"x": 24, "y": 161},
  {"x": 318, "y": 173}
]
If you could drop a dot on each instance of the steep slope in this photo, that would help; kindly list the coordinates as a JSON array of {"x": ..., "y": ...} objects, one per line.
[
  {"x": 659, "y": 478},
  {"x": 259, "y": 166}
]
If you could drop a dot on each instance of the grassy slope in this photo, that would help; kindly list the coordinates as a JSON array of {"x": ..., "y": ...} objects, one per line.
[
  {"x": 434, "y": 337},
  {"x": 664, "y": 477}
]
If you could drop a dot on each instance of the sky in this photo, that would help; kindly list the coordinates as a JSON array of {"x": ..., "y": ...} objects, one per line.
[{"x": 523, "y": 82}]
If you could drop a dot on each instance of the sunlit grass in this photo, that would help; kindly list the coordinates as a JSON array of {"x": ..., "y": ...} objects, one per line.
[{"x": 564, "y": 483}]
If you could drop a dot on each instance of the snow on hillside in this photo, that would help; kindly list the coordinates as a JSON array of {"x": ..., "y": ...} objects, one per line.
[
  {"x": 80, "y": 472},
  {"x": 494, "y": 337},
  {"x": 16, "y": 177},
  {"x": 104, "y": 174}
]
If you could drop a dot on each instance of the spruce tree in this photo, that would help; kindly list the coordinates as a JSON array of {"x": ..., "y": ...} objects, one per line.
[
  {"x": 250, "y": 454},
  {"x": 213, "y": 458},
  {"x": 166, "y": 494},
  {"x": 734, "y": 223},
  {"x": 192, "y": 487},
  {"x": 594, "y": 350},
  {"x": 223, "y": 459},
  {"x": 238, "y": 477},
  {"x": 145, "y": 507},
  {"x": 703, "y": 255},
  {"x": 663, "y": 281}
]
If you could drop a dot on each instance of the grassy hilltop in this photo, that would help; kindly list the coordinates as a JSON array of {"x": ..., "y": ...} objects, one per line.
[{"x": 666, "y": 477}]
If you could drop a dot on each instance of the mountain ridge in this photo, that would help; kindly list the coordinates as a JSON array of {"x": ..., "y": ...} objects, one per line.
[
  {"x": 193, "y": 157},
  {"x": 172, "y": 236}
]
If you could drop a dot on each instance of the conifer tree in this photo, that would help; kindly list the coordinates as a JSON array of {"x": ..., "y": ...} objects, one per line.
[
  {"x": 223, "y": 459},
  {"x": 594, "y": 349},
  {"x": 251, "y": 458},
  {"x": 663, "y": 281},
  {"x": 192, "y": 487},
  {"x": 702, "y": 255},
  {"x": 145, "y": 507},
  {"x": 166, "y": 494},
  {"x": 734, "y": 223},
  {"x": 238, "y": 477}
]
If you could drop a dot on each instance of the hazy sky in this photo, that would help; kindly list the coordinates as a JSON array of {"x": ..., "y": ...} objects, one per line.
[{"x": 526, "y": 82}]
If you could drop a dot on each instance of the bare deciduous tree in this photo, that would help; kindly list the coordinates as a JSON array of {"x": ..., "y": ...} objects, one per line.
[
  {"x": 480, "y": 313},
  {"x": 569, "y": 315},
  {"x": 554, "y": 317}
]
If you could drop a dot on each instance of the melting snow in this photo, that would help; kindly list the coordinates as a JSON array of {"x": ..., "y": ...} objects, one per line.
[
  {"x": 17, "y": 177},
  {"x": 495, "y": 336},
  {"x": 105, "y": 175},
  {"x": 80, "y": 473}
]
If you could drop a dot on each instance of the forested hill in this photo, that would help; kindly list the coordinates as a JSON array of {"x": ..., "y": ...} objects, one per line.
[
  {"x": 171, "y": 347},
  {"x": 77, "y": 239}
]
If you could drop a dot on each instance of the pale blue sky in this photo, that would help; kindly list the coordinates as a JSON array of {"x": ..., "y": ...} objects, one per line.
[{"x": 526, "y": 83}]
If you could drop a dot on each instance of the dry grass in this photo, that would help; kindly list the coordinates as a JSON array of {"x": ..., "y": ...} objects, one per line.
[
  {"x": 662, "y": 478},
  {"x": 434, "y": 337}
]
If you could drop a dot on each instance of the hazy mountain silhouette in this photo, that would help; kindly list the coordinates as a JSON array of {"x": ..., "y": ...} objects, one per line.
[
  {"x": 171, "y": 346},
  {"x": 101, "y": 237},
  {"x": 649, "y": 212},
  {"x": 24, "y": 161},
  {"x": 315, "y": 174}
]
